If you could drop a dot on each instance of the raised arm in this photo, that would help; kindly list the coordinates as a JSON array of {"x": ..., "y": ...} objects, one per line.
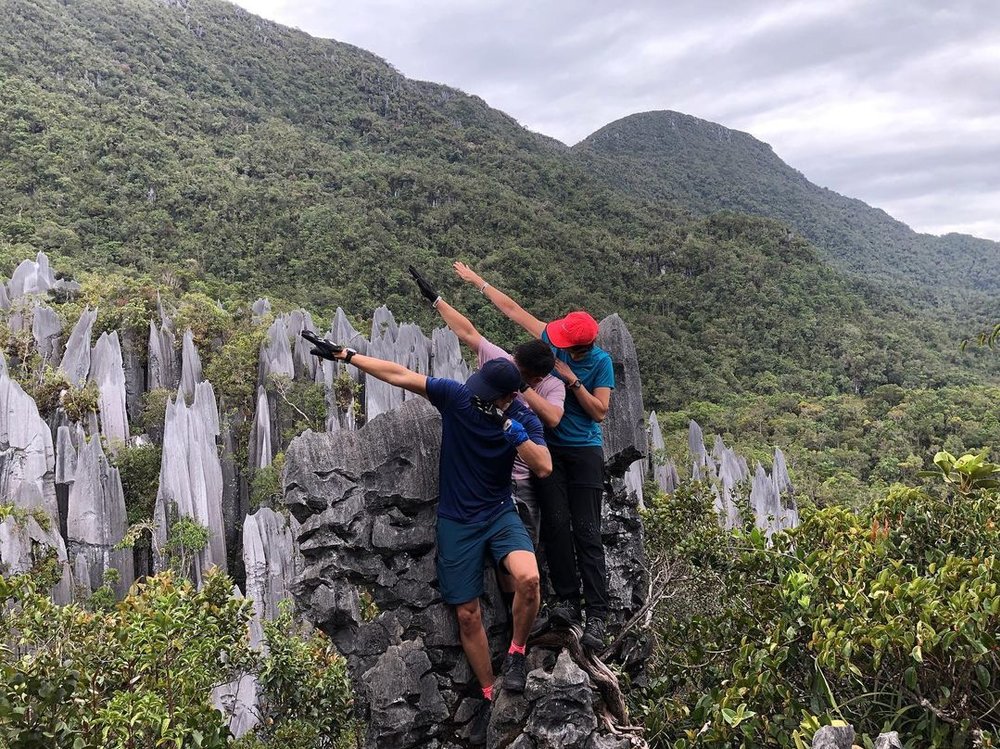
[
  {"x": 387, "y": 371},
  {"x": 549, "y": 413},
  {"x": 460, "y": 325},
  {"x": 501, "y": 301}
]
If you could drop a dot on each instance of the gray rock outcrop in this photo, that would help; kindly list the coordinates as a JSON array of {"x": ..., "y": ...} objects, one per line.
[
  {"x": 108, "y": 372},
  {"x": 269, "y": 555},
  {"x": 76, "y": 361},
  {"x": 191, "y": 483},
  {"x": 96, "y": 520},
  {"x": 162, "y": 371},
  {"x": 624, "y": 427},
  {"x": 190, "y": 366},
  {"x": 833, "y": 737},
  {"x": 46, "y": 329}
]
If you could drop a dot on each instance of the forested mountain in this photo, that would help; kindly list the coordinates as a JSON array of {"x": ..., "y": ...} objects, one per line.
[
  {"x": 198, "y": 145},
  {"x": 668, "y": 156}
]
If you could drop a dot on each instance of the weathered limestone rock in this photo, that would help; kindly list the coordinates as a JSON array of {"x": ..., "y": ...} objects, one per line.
[
  {"x": 774, "y": 508},
  {"x": 556, "y": 710},
  {"x": 888, "y": 740},
  {"x": 46, "y": 328},
  {"x": 32, "y": 277},
  {"x": 446, "y": 356},
  {"x": 268, "y": 553},
  {"x": 381, "y": 396},
  {"x": 190, "y": 366},
  {"x": 303, "y": 363},
  {"x": 238, "y": 701},
  {"x": 191, "y": 483},
  {"x": 76, "y": 361},
  {"x": 27, "y": 458},
  {"x": 260, "y": 309},
  {"x": 162, "y": 370},
  {"x": 624, "y": 427},
  {"x": 108, "y": 372},
  {"x": 276, "y": 354},
  {"x": 663, "y": 469},
  {"x": 4, "y": 297},
  {"x": 96, "y": 519},
  {"x": 261, "y": 443},
  {"x": 833, "y": 737},
  {"x": 134, "y": 370}
]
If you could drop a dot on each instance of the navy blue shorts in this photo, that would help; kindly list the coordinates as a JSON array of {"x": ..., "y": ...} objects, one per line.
[{"x": 462, "y": 549}]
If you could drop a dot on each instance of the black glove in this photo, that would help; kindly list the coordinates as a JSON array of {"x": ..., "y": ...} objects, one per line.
[
  {"x": 321, "y": 347},
  {"x": 428, "y": 291},
  {"x": 490, "y": 409}
]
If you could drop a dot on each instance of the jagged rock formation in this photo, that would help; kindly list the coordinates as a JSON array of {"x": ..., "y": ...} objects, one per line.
[
  {"x": 270, "y": 556},
  {"x": 96, "y": 519},
  {"x": 76, "y": 360},
  {"x": 46, "y": 328},
  {"x": 191, "y": 483},
  {"x": 190, "y": 366},
  {"x": 27, "y": 481},
  {"x": 107, "y": 370},
  {"x": 162, "y": 371},
  {"x": 771, "y": 497},
  {"x": 367, "y": 503},
  {"x": 663, "y": 468}
]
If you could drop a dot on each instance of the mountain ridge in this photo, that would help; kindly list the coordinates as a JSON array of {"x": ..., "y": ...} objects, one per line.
[
  {"x": 198, "y": 143},
  {"x": 651, "y": 154}
]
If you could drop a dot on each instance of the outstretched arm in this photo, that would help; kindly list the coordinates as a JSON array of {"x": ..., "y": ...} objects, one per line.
[
  {"x": 394, "y": 374},
  {"x": 501, "y": 301},
  {"x": 460, "y": 325},
  {"x": 387, "y": 371}
]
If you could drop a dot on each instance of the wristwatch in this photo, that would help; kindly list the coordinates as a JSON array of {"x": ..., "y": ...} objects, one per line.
[
  {"x": 349, "y": 354},
  {"x": 576, "y": 384},
  {"x": 523, "y": 386}
]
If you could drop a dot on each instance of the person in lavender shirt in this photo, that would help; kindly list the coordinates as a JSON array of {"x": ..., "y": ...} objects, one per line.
[{"x": 542, "y": 392}]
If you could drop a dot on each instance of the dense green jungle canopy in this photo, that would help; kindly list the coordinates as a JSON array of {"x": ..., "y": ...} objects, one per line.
[{"x": 194, "y": 144}]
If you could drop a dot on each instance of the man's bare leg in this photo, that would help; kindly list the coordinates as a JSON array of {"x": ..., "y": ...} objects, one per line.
[
  {"x": 474, "y": 642},
  {"x": 523, "y": 569}
]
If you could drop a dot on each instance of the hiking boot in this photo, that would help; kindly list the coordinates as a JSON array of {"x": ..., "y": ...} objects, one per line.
[
  {"x": 514, "y": 676},
  {"x": 542, "y": 621},
  {"x": 565, "y": 614},
  {"x": 593, "y": 635},
  {"x": 480, "y": 723}
]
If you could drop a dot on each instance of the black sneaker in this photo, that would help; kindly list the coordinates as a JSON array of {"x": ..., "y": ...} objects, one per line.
[
  {"x": 480, "y": 723},
  {"x": 593, "y": 635},
  {"x": 565, "y": 614},
  {"x": 542, "y": 621},
  {"x": 514, "y": 676}
]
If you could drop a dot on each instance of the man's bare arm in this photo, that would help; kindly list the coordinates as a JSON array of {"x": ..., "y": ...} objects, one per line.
[
  {"x": 536, "y": 457},
  {"x": 549, "y": 413},
  {"x": 390, "y": 372},
  {"x": 460, "y": 325},
  {"x": 501, "y": 301}
]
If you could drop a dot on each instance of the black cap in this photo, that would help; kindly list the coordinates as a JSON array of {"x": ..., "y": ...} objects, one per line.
[{"x": 496, "y": 378}]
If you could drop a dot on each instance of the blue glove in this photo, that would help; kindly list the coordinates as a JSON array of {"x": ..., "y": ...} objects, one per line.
[{"x": 514, "y": 432}]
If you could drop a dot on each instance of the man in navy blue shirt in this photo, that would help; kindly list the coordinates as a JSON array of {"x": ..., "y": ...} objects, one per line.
[{"x": 483, "y": 428}]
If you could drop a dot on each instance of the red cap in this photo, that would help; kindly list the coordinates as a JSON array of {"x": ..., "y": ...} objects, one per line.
[{"x": 576, "y": 329}]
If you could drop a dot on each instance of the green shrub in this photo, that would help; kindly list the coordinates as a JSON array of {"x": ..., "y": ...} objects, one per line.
[
  {"x": 886, "y": 618},
  {"x": 130, "y": 675},
  {"x": 265, "y": 486},
  {"x": 307, "y": 701},
  {"x": 140, "y": 472}
]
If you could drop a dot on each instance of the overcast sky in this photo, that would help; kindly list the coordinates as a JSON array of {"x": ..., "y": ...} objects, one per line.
[{"x": 895, "y": 102}]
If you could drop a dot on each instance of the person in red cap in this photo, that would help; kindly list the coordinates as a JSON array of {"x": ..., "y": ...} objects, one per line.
[{"x": 571, "y": 496}]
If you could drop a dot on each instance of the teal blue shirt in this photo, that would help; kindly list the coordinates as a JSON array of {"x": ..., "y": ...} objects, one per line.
[{"x": 577, "y": 429}]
